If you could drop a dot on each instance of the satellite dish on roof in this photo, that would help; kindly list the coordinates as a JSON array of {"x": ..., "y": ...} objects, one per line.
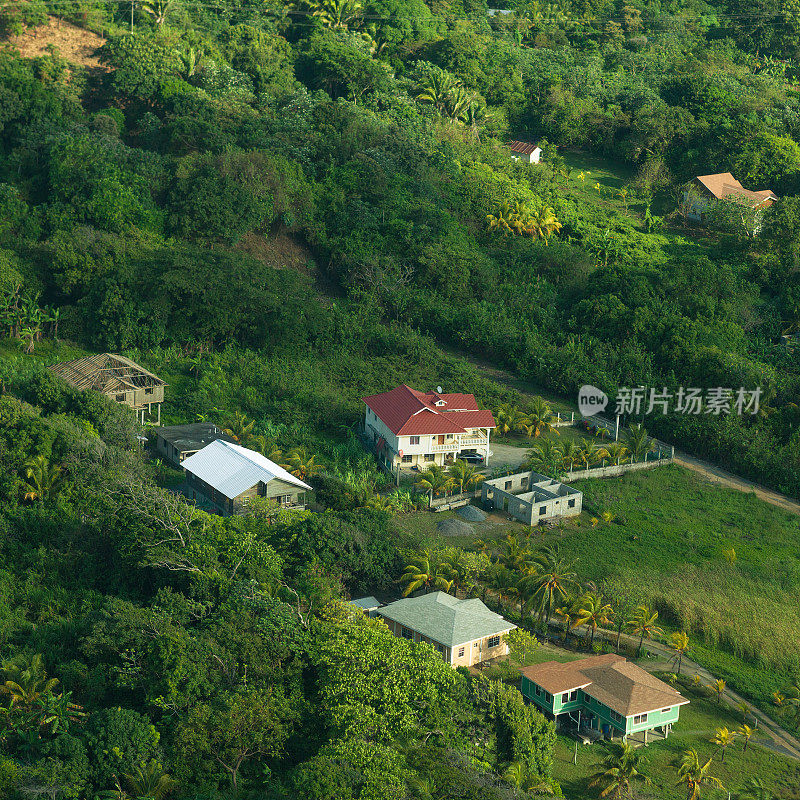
[{"x": 439, "y": 390}]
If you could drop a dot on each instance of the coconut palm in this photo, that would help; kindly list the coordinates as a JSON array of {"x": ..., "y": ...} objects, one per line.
[
  {"x": 746, "y": 732},
  {"x": 594, "y": 612},
  {"x": 437, "y": 87},
  {"x": 267, "y": 447},
  {"x": 301, "y": 464},
  {"x": 519, "y": 774},
  {"x": 26, "y": 680},
  {"x": 723, "y": 738},
  {"x": 617, "y": 453},
  {"x": 541, "y": 418},
  {"x": 43, "y": 480},
  {"x": 546, "y": 457},
  {"x": 464, "y": 475},
  {"x": 551, "y": 581},
  {"x": 568, "y": 613},
  {"x": 591, "y": 452},
  {"x": 679, "y": 642},
  {"x": 619, "y": 770},
  {"x": 638, "y": 442},
  {"x": 643, "y": 625},
  {"x": 503, "y": 581},
  {"x": 157, "y": 9},
  {"x": 542, "y": 223},
  {"x": 240, "y": 428},
  {"x": 149, "y": 781},
  {"x": 424, "y": 571},
  {"x": 434, "y": 480},
  {"x": 571, "y": 454},
  {"x": 756, "y": 789},
  {"x": 336, "y": 14},
  {"x": 511, "y": 419},
  {"x": 695, "y": 776},
  {"x": 718, "y": 687}
]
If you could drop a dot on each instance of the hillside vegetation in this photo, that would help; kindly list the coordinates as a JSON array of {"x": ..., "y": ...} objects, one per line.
[{"x": 280, "y": 209}]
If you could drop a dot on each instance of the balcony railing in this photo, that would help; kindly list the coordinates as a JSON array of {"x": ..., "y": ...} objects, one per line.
[{"x": 473, "y": 440}]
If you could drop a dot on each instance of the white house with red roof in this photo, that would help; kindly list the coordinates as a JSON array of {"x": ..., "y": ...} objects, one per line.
[{"x": 410, "y": 428}]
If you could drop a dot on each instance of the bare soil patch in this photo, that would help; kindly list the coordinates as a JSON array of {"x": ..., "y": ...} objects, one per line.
[
  {"x": 76, "y": 45},
  {"x": 278, "y": 250}
]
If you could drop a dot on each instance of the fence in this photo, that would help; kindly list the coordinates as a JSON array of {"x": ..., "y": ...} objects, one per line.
[{"x": 453, "y": 501}]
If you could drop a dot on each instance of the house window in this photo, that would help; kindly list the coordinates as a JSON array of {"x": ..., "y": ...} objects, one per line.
[
  {"x": 406, "y": 633},
  {"x": 548, "y": 697},
  {"x": 571, "y": 504},
  {"x": 537, "y": 689},
  {"x": 542, "y": 510},
  {"x": 508, "y": 484},
  {"x": 665, "y": 710},
  {"x": 573, "y": 696},
  {"x": 429, "y": 456},
  {"x": 149, "y": 390},
  {"x": 638, "y": 720},
  {"x": 476, "y": 644},
  {"x": 413, "y": 439},
  {"x": 120, "y": 398},
  {"x": 460, "y": 652},
  {"x": 493, "y": 641},
  {"x": 407, "y": 459},
  {"x": 565, "y": 697},
  {"x": 524, "y": 483}
]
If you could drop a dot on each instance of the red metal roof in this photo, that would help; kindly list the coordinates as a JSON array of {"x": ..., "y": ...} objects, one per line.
[
  {"x": 526, "y": 148},
  {"x": 407, "y": 412}
]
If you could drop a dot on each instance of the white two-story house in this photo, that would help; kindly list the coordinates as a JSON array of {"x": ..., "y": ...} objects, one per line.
[{"x": 415, "y": 429}]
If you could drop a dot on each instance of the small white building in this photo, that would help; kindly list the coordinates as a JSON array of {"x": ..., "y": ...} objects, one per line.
[
  {"x": 408, "y": 428},
  {"x": 525, "y": 151}
]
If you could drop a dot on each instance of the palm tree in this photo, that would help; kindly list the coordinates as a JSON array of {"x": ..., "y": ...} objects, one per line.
[
  {"x": 643, "y": 625},
  {"x": 511, "y": 420},
  {"x": 718, "y": 687},
  {"x": 542, "y": 223},
  {"x": 437, "y": 87},
  {"x": 424, "y": 571},
  {"x": 267, "y": 447},
  {"x": 568, "y": 612},
  {"x": 519, "y": 774},
  {"x": 571, "y": 454},
  {"x": 301, "y": 464},
  {"x": 638, "y": 442},
  {"x": 157, "y": 9},
  {"x": 746, "y": 732},
  {"x": 541, "y": 418},
  {"x": 26, "y": 681},
  {"x": 594, "y": 612},
  {"x": 756, "y": 789},
  {"x": 679, "y": 642},
  {"x": 150, "y": 781},
  {"x": 503, "y": 581},
  {"x": 546, "y": 457},
  {"x": 619, "y": 770},
  {"x": 502, "y": 219},
  {"x": 434, "y": 480},
  {"x": 336, "y": 14},
  {"x": 723, "y": 738},
  {"x": 616, "y": 452},
  {"x": 695, "y": 776},
  {"x": 551, "y": 582},
  {"x": 43, "y": 480},
  {"x": 240, "y": 428},
  {"x": 465, "y": 475},
  {"x": 591, "y": 452}
]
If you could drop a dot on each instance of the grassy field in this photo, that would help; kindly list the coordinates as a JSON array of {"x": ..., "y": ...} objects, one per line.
[{"x": 696, "y": 726}]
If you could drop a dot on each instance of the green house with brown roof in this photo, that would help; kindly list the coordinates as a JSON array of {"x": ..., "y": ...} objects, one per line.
[{"x": 607, "y": 695}]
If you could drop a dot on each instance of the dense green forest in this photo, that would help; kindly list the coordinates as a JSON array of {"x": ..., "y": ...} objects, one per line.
[{"x": 280, "y": 209}]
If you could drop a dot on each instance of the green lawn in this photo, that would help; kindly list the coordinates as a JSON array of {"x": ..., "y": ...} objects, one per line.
[
  {"x": 696, "y": 726},
  {"x": 597, "y": 170}
]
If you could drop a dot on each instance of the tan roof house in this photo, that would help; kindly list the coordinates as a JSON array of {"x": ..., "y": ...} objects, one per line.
[
  {"x": 607, "y": 694},
  {"x": 117, "y": 377},
  {"x": 702, "y": 191},
  {"x": 465, "y": 632}
]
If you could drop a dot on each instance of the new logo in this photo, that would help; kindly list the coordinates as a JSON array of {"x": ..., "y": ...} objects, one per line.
[{"x": 591, "y": 400}]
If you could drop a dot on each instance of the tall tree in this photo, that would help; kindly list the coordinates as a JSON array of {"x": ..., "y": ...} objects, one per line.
[
  {"x": 696, "y": 776},
  {"x": 620, "y": 769},
  {"x": 643, "y": 624}
]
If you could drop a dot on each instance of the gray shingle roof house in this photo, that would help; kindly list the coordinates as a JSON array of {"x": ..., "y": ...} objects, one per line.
[
  {"x": 465, "y": 632},
  {"x": 227, "y": 476},
  {"x": 178, "y": 442},
  {"x": 369, "y": 605}
]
